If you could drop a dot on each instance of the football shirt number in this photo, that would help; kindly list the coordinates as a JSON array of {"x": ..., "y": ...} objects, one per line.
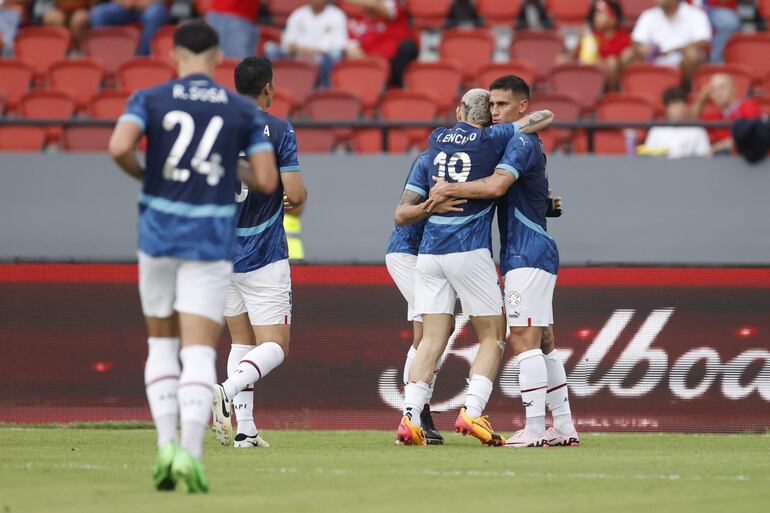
[
  {"x": 450, "y": 166},
  {"x": 203, "y": 161}
]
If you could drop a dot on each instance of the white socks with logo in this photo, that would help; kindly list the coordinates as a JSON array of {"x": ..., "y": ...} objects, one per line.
[
  {"x": 198, "y": 377},
  {"x": 243, "y": 402},
  {"x": 161, "y": 379},
  {"x": 533, "y": 381},
  {"x": 479, "y": 390},
  {"x": 557, "y": 397},
  {"x": 255, "y": 365}
]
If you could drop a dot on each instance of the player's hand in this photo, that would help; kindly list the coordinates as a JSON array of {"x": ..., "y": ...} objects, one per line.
[
  {"x": 438, "y": 192},
  {"x": 450, "y": 205},
  {"x": 554, "y": 206},
  {"x": 288, "y": 205}
]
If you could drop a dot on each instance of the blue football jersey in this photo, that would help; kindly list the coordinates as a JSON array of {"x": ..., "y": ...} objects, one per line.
[
  {"x": 524, "y": 241},
  {"x": 260, "y": 236},
  {"x": 195, "y": 131},
  {"x": 460, "y": 154},
  {"x": 406, "y": 239}
]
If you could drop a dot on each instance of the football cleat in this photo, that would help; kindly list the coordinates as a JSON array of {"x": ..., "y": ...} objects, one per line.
[
  {"x": 432, "y": 436},
  {"x": 186, "y": 469},
  {"x": 244, "y": 440},
  {"x": 557, "y": 438},
  {"x": 479, "y": 428},
  {"x": 162, "y": 476},
  {"x": 409, "y": 434},
  {"x": 523, "y": 438},
  {"x": 221, "y": 410}
]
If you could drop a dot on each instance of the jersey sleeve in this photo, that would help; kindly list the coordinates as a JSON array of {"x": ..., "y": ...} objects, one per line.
[
  {"x": 287, "y": 153},
  {"x": 419, "y": 176},
  {"x": 516, "y": 154},
  {"x": 258, "y": 141},
  {"x": 136, "y": 110}
]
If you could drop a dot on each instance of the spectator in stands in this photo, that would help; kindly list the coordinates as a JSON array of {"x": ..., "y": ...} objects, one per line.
[
  {"x": 723, "y": 15},
  {"x": 533, "y": 15},
  {"x": 152, "y": 14},
  {"x": 383, "y": 31},
  {"x": 726, "y": 107},
  {"x": 316, "y": 31},
  {"x": 235, "y": 23},
  {"x": 463, "y": 14},
  {"x": 11, "y": 12},
  {"x": 602, "y": 41},
  {"x": 676, "y": 142},
  {"x": 72, "y": 14},
  {"x": 674, "y": 33}
]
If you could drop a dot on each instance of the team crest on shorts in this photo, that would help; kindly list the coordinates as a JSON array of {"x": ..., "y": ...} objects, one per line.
[{"x": 513, "y": 298}]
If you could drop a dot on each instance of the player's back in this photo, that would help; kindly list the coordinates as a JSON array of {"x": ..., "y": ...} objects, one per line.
[
  {"x": 460, "y": 154},
  {"x": 195, "y": 130}
]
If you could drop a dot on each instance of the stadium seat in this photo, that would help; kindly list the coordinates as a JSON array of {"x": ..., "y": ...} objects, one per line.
[
  {"x": 42, "y": 46},
  {"x": 751, "y": 50},
  {"x": 568, "y": 12},
  {"x": 225, "y": 72},
  {"x": 740, "y": 74},
  {"x": 295, "y": 76},
  {"x": 498, "y": 12},
  {"x": 22, "y": 138},
  {"x": 471, "y": 49},
  {"x": 650, "y": 81},
  {"x": 491, "y": 72},
  {"x": 365, "y": 78},
  {"x": 439, "y": 80},
  {"x": 80, "y": 78},
  {"x": 763, "y": 102},
  {"x": 281, "y": 9},
  {"x": 565, "y": 109},
  {"x": 584, "y": 83},
  {"x": 329, "y": 104},
  {"x": 144, "y": 72},
  {"x": 47, "y": 104},
  {"x": 632, "y": 9},
  {"x": 314, "y": 140},
  {"x": 267, "y": 34},
  {"x": 112, "y": 45},
  {"x": 2, "y": 105},
  {"x": 15, "y": 78},
  {"x": 86, "y": 138},
  {"x": 351, "y": 10},
  {"x": 202, "y": 6},
  {"x": 281, "y": 105},
  {"x": 428, "y": 14},
  {"x": 108, "y": 104},
  {"x": 163, "y": 42},
  {"x": 763, "y": 8},
  {"x": 621, "y": 107},
  {"x": 538, "y": 48},
  {"x": 400, "y": 105}
]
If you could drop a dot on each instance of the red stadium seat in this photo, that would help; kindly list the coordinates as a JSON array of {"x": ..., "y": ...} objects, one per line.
[
  {"x": 144, "y": 72},
  {"x": 650, "y": 81},
  {"x": 328, "y": 104},
  {"x": 225, "y": 73},
  {"x": 401, "y": 105},
  {"x": 281, "y": 9},
  {"x": 315, "y": 140},
  {"x": 42, "y": 46},
  {"x": 632, "y": 9},
  {"x": 80, "y": 78},
  {"x": 112, "y": 45},
  {"x": 568, "y": 12},
  {"x": 295, "y": 76},
  {"x": 428, "y": 14},
  {"x": 21, "y": 138},
  {"x": 763, "y": 102},
  {"x": 365, "y": 78},
  {"x": 564, "y": 108},
  {"x": 538, "y": 48},
  {"x": 621, "y": 107},
  {"x": 108, "y": 104},
  {"x": 163, "y": 42},
  {"x": 282, "y": 104},
  {"x": 740, "y": 74},
  {"x": 267, "y": 34},
  {"x": 86, "y": 138},
  {"x": 498, "y": 12},
  {"x": 47, "y": 104},
  {"x": 470, "y": 49},
  {"x": 751, "y": 50},
  {"x": 350, "y": 10},
  {"x": 202, "y": 6},
  {"x": 15, "y": 79},
  {"x": 491, "y": 72},
  {"x": 584, "y": 83},
  {"x": 439, "y": 80},
  {"x": 763, "y": 7}
]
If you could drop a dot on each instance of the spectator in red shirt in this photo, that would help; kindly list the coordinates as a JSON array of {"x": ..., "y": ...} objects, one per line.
[
  {"x": 383, "y": 31},
  {"x": 235, "y": 23},
  {"x": 726, "y": 107}
]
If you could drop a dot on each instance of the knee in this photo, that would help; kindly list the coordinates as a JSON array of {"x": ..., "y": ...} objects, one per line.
[
  {"x": 408, "y": 49},
  {"x": 692, "y": 55},
  {"x": 155, "y": 13},
  {"x": 54, "y": 17},
  {"x": 79, "y": 20},
  {"x": 100, "y": 15}
]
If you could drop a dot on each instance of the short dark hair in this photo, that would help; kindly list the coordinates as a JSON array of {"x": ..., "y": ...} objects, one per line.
[
  {"x": 252, "y": 75},
  {"x": 614, "y": 6},
  {"x": 196, "y": 36},
  {"x": 511, "y": 83},
  {"x": 674, "y": 94}
]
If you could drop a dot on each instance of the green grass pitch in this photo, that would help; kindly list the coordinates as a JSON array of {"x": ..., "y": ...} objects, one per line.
[{"x": 108, "y": 470}]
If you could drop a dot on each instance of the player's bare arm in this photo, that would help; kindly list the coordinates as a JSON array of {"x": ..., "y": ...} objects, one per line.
[
  {"x": 409, "y": 210},
  {"x": 294, "y": 190},
  {"x": 262, "y": 174},
  {"x": 535, "y": 121},
  {"x": 490, "y": 187},
  {"x": 122, "y": 148}
]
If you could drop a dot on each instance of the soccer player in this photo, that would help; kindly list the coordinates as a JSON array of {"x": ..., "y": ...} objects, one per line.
[
  {"x": 258, "y": 308},
  {"x": 455, "y": 259},
  {"x": 529, "y": 261},
  {"x": 195, "y": 130}
]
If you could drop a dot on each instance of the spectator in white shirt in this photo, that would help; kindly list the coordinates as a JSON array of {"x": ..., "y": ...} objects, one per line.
[
  {"x": 676, "y": 142},
  {"x": 316, "y": 31},
  {"x": 674, "y": 33}
]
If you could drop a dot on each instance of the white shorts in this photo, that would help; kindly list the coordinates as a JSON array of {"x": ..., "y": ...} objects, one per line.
[
  {"x": 402, "y": 268},
  {"x": 529, "y": 297},
  {"x": 186, "y": 286},
  {"x": 265, "y": 294},
  {"x": 471, "y": 275}
]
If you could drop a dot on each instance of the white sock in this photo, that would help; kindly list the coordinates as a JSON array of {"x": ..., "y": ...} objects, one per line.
[
  {"x": 479, "y": 390},
  {"x": 408, "y": 363},
  {"x": 243, "y": 402},
  {"x": 414, "y": 400},
  {"x": 199, "y": 375},
  {"x": 161, "y": 379},
  {"x": 557, "y": 397},
  {"x": 254, "y": 366},
  {"x": 533, "y": 381}
]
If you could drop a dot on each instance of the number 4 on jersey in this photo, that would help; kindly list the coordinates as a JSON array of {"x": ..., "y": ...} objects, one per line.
[{"x": 202, "y": 162}]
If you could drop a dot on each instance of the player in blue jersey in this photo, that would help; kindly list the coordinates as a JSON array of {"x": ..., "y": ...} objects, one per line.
[
  {"x": 455, "y": 259},
  {"x": 529, "y": 261},
  {"x": 258, "y": 309},
  {"x": 195, "y": 131}
]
